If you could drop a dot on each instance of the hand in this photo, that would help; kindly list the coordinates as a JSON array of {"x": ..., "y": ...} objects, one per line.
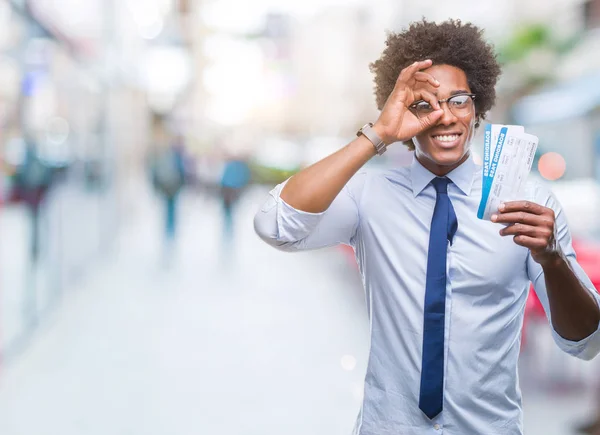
[
  {"x": 396, "y": 122},
  {"x": 533, "y": 226}
]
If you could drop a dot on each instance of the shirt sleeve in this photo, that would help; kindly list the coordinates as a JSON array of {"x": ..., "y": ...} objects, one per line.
[
  {"x": 288, "y": 229},
  {"x": 588, "y": 347}
]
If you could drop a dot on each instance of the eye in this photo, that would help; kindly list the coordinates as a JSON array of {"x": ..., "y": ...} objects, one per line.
[
  {"x": 422, "y": 106},
  {"x": 459, "y": 100}
]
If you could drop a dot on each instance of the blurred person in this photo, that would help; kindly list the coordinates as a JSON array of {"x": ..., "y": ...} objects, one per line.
[
  {"x": 234, "y": 179},
  {"x": 445, "y": 290},
  {"x": 32, "y": 181},
  {"x": 168, "y": 177}
]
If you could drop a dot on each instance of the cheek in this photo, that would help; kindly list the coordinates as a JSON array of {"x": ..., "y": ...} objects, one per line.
[{"x": 421, "y": 141}]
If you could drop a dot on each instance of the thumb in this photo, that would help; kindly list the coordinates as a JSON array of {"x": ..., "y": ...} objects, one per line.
[{"x": 432, "y": 118}]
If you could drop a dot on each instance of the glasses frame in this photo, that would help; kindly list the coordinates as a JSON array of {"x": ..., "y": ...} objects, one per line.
[{"x": 413, "y": 106}]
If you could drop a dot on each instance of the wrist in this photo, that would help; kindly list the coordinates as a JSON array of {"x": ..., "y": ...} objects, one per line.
[
  {"x": 553, "y": 260},
  {"x": 372, "y": 135},
  {"x": 366, "y": 147},
  {"x": 380, "y": 130}
]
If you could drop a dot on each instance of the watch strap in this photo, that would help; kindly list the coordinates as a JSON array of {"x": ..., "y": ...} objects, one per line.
[{"x": 369, "y": 132}]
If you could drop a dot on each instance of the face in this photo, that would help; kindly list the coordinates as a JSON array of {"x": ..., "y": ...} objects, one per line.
[{"x": 446, "y": 145}]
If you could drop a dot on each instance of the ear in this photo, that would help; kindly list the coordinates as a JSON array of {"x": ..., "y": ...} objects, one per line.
[{"x": 409, "y": 144}]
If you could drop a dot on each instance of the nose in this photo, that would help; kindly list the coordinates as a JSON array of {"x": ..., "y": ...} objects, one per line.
[{"x": 448, "y": 118}]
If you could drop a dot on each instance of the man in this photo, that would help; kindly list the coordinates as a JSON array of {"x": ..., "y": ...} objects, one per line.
[
  {"x": 168, "y": 178},
  {"x": 234, "y": 179},
  {"x": 445, "y": 291}
]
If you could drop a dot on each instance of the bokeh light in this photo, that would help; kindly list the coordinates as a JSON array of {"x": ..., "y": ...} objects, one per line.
[
  {"x": 552, "y": 166},
  {"x": 348, "y": 363}
]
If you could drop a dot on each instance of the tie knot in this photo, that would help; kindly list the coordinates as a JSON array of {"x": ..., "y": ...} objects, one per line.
[{"x": 441, "y": 184}]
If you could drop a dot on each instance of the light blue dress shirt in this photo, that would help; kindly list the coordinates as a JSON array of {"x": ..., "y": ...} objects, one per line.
[{"x": 385, "y": 216}]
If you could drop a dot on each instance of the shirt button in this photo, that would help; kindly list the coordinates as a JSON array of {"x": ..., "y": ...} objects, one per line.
[{"x": 437, "y": 427}]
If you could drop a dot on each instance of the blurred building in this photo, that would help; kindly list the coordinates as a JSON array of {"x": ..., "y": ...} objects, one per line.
[{"x": 81, "y": 80}]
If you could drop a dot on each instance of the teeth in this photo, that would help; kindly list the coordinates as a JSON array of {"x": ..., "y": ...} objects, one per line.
[{"x": 445, "y": 138}]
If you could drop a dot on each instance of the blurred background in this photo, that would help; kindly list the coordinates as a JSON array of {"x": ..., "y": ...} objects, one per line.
[{"x": 137, "y": 140}]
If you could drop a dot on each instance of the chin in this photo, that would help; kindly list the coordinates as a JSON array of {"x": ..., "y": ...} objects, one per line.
[{"x": 447, "y": 157}]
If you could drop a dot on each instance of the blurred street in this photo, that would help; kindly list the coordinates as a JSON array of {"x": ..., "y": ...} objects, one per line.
[
  {"x": 225, "y": 342},
  {"x": 138, "y": 138},
  {"x": 242, "y": 340}
]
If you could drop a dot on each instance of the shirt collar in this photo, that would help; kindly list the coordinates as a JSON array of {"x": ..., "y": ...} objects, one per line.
[{"x": 461, "y": 176}]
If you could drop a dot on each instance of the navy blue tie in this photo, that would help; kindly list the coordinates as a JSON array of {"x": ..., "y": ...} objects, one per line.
[{"x": 443, "y": 228}]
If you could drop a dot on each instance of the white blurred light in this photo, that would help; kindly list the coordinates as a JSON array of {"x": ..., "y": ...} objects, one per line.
[
  {"x": 348, "y": 363},
  {"x": 166, "y": 69},
  {"x": 164, "y": 6},
  {"x": 166, "y": 72},
  {"x": 57, "y": 130},
  {"x": 151, "y": 31},
  {"x": 221, "y": 46},
  {"x": 235, "y": 80},
  {"x": 223, "y": 113},
  {"x": 148, "y": 15},
  {"x": 144, "y": 13},
  {"x": 248, "y": 16}
]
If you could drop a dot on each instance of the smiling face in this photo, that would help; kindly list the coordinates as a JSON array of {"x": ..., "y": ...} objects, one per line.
[{"x": 446, "y": 145}]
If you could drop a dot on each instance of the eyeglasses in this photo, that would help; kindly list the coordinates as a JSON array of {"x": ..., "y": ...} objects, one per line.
[{"x": 461, "y": 106}]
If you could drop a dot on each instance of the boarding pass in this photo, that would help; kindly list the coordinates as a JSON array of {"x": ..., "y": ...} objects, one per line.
[{"x": 508, "y": 154}]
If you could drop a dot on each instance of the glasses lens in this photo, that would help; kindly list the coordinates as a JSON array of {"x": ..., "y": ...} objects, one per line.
[
  {"x": 422, "y": 108},
  {"x": 461, "y": 105}
]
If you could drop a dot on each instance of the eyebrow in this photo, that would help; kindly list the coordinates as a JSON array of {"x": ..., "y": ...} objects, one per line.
[{"x": 462, "y": 91}]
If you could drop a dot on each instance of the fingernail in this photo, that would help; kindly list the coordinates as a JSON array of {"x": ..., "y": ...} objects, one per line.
[
  {"x": 494, "y": 217},
  {"x": 501, "y": 207}
]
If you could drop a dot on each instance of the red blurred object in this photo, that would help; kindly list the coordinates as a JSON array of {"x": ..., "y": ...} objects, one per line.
[{"x": 588, "y": 256}]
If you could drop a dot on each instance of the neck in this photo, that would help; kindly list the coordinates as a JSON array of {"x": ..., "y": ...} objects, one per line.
[{"x": 440, "y": 170}]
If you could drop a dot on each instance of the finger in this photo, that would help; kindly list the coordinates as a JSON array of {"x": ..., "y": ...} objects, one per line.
[
  {"x": 526, "y": 206},
  {"x": 542, "y": 233},
  {"x": 422, "y": 94},
  {"x": 423, "y": 77},
  {"x": 520, "y": 217},
  {"x": 410, "y": 70},
  {"x": 530, "y": 242},
  {"x": 431, "y": 119}
]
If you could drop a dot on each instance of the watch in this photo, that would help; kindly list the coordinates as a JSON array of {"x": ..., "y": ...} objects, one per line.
[{"x": 368, "y": 131}]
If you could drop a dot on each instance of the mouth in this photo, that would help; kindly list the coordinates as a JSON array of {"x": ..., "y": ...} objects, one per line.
[{"x": 447, "y": 140}]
